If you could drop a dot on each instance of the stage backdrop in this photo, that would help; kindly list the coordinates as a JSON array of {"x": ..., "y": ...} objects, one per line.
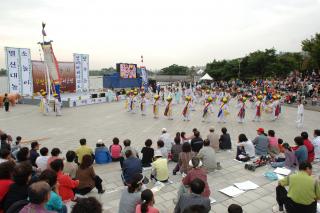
[{"x": 67, "y": 75}]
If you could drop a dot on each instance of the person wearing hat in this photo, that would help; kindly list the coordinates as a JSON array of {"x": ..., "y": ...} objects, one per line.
[
  {"x": 259, "y": 106},
  {"x": 127, "y": 101},
  {"x": 156, "y": 105},
  {"x": 160, "y": 170},
  {"x": 223, "y": 110},
  {"x": 167, "y": 140},
  {"x": 143, "y": 104},
  {"x": 168, "y": 110},
  {"x": 261, "y": 143},
  {"x": 186, "y": 109},
  {"x": 214, "y": 139},
  {"x": 57, "y": 104},
  {"x": 44, "y": 104},
  {"x": 242, "y": 110},
  {"x": 275, "y": 108},
  {"x": 208, "y": 110},
  {"x": 134, "y": 102}
]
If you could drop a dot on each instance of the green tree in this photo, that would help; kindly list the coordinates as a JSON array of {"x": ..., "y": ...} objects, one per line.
[
  {"x": 312, "y": 47},
  {"x": 174, "y": 70},
  {"x": 260, "y": 63}
]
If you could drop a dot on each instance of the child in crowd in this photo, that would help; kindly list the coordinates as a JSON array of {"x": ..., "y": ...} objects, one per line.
[
  {"x": 70, "y": 167},
  {"x": 273, "y": 143},
  {"x": 115, "y": 150},
  {"x": 162, "y": 149},
  {"x": 147, "y": 153},
  {"x": 225, "y": 140},
  {"x": 176, "y": 149},
  {"x": 147, "y": 201},
  {"x": 280, "y": 146}
]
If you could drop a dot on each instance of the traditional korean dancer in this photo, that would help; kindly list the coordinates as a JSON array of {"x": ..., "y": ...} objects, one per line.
[
  {"x": 275, "y": 108},
  {"x": 156, "y": 105},
  {"x": 300, "y": 113},
  {"x": 186, "y": 109},
  {"x": 223, "y": 111},
  {"x": 208, "y": 110},
  {"x": 143, "y": 104},
  {"x": 168, "y": 110},
  {"x": 259, "y": 107},
  {"x": 242, "y": 111},
  {"x": 57, "y": 104}
]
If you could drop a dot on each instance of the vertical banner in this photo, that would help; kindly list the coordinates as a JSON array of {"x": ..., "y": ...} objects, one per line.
[
  {"x": 78, "y": 71},
  {"x": 25, "y": 69},
  {"x": 81, "y": 63},
  {"x": 51, "y": 61},
  {"x": 12, "y": 58},
  {"x": 85, "y": 72}
]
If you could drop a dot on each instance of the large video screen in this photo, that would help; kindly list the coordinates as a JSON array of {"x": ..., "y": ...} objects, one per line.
[{"x": 127, "y": 70}]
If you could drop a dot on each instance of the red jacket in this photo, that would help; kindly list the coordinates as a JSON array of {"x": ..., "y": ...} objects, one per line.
[
  {"x": 4, "y": 188},
  {"x": 197, "y": 173},
  {"x": 66, "y": 184}
]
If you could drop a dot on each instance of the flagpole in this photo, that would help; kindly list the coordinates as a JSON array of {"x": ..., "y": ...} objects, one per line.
[{"x": 47, "y": 69}]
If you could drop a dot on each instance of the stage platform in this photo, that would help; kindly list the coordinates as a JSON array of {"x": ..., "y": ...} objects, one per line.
[{"x": 70, "y": 100}]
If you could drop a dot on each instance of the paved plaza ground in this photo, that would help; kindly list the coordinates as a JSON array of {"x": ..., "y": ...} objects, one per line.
[{"x": 105, "y": 121}]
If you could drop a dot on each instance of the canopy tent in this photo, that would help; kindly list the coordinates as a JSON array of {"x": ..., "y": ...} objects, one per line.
[
  {"x": 199, "y": 72},
  {"x": 206, "y": 77}
]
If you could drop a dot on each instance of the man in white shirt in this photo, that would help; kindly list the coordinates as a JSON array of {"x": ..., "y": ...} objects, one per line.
[
  {"x": 165, "y": 137},
  {"x": 316, "y": 144},
  {"x": 300, "y": 114},
  {"x": 42, "y": 161}
]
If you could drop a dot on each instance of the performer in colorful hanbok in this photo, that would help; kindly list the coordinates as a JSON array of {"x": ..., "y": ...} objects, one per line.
[
  {"x": 57, "y": 104},
  {"x": 259, "y": 108},
  {"x": 44, "y": 107},
  {"x": 177, "y": 96},
  {"x": 242, "y": 111},
  {"x": 134, "y": 106},
  {"x": 275, "y": 108},
  {"x": 223, "y": 110},
  {"x": 300, "y": 115},
  {"x": 127, "y": 101},
  {"x": 168, "y": 110},
  {"x": 143, "y": 104},
  {"x": 186, "y": 109},
  {"x": 208, "y": 110},
  {"x": 156, "y": 105}
]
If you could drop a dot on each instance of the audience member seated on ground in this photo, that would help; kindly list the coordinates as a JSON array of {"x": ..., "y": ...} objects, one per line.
[
  {"x": 208, "y": 156},
  {"x": 38, "y": 196},
  {"x": 289, "y": 159},
  {"x": 55, "y": 152},
  {"x": 131, "y": 196},
  {"x": 192, "y": 136},
  {"x": 298, "y": 198},
  {"x": 235, "y": 208},
  {"x": 165, "y": 137},
  {"x": 308, "y": 145},
  {"x": 196, "y": 142},
  {"x": 19, "y": 189},
  {"x": 131, "y": 166},
  {"x": 273, "y": 148},
  {"x": 301, "y": 151},
  {"x": 83, "y": 150},
  {"x": 214, "y": 139},
  {"x": 245, "y": 148},
  {"x": 176, "y": 149},
  {"x": 34, "y": 152},
  {"x": 4, "y": 142},
  {"x": 280, "y": 142},
  {"x": 23, "y": 156},
  {"x": 147, "y": 153},
  {"x": 55, "y": 202},
  {"x": 261, "y": 143},
  {"x": 127, "y": 146},
  {"x": 115, "y": 150},
  {"x": 5, "y": 155},
  {"x": 6, "y": 170},
  {"x": 162, "y": 149},
  {"x": 183, "y": 137},
  {"x": 160, "y": 170},
  {"x": 16, "y": 146},
  {"x": 87, "y": 177},
  {"x": 102, "y": 154},
  {"x": 316, "y": 144},
  {"x": 66, "y": 185},
  {"x": 87, "y": 205},
  {"x": 146, "y": 203},
  {"x": 42, "y": 160},
  {"x": 225, "y": 140},
  {"x": 184, "y": 157},
  {"x": 195, "y": 172},
  {"x": 186, "y": 200},
  {"x": 70, "y": 167}
]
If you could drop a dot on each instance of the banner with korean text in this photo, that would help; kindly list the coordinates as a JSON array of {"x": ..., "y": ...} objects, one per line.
[{"x": 81, "y": 63}]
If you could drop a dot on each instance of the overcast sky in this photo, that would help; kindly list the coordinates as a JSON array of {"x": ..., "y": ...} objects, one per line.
[{"x": 164, "y": 32}]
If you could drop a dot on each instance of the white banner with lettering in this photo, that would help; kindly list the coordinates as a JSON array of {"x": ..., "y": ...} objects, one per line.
[
  {"x": 81, "y": 63},
  {"x": 12, "y": 58},
  {"x": 26, "y": 75}
]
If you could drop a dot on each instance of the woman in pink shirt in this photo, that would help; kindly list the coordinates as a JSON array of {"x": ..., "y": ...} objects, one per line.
[
  {"x": 147, "y": 201},
  {"x": 115, "y": 150},
  {"x": 273, "y": 143}
]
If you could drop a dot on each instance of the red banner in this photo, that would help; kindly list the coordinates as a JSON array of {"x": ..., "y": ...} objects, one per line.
[{"x": 67, "y": 75}]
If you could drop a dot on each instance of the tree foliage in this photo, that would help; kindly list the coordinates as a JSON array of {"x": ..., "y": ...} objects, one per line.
[
  {"x": 312, "y": 48},
  {"x": 174, "y": 70}
]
